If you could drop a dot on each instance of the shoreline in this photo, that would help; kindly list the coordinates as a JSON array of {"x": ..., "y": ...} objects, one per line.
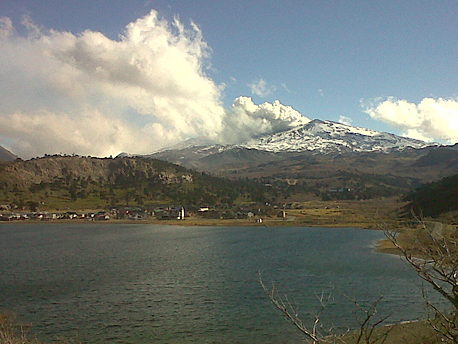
[
  {"x": 355, "y": 214},
  {"x": 196, "y": 222},
  {"x": 311, "y": 217}
]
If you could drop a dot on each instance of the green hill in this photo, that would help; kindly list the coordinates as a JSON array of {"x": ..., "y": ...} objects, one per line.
[
  {"x": 72, "y": 182},
  {"x": 434, "y": 199}
]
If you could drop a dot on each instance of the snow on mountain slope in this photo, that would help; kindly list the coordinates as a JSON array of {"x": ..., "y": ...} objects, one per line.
[
  {"x": 331, "y": 137},
  {"x": 316, "y": 136}
]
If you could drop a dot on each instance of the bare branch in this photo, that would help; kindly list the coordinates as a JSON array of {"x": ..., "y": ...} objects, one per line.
[
  {"x": 316, "y": 333},
  {"x": 291, "y": 313},
  {"x": 434, "y": 256},
  {"x": 436, "y": 262},
  {"x": 366, "y": 332}
]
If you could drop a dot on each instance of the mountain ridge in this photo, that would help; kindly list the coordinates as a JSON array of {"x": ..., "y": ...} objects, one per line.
[
  {"x": 326, "y": 136},
  {"x": 326, "y": 155},
  {"x": 321, "y": 137}
]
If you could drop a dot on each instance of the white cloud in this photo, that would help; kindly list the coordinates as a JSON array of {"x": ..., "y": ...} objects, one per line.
[
  {"x": 430, "y": 120},
  {"x": 247, "y": 120},
  {"x": 345, "y": 120},
  {"x": 62, "y": 134},
  {"x": 92, "y": 95},
  {"x": 6, "y": 27},
  {"x": 261, "y": 88},
  {"x": 416, "y": 134},
  {"x": 87, "y": 94}
]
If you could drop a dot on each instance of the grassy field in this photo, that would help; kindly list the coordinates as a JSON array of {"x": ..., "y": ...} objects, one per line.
[
  {"x": 418, "y": 332},
  {"x": 358, "y": 214}
]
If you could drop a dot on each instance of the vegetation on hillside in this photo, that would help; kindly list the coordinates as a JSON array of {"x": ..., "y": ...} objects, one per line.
[
  {"x": 434, "y": 199},
  {"x": 367, "y": 175},
  {"x": 71, "y": 182}
]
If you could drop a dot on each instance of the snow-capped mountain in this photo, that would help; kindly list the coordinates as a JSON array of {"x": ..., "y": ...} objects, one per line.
[
  {"x": 320, "y": 155},
  {"x": 315, "y": 137},
  {"x": 331, "y": 137}
]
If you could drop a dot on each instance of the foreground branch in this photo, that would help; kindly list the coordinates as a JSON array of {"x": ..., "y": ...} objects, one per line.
[
  {"x": 433, "y": 254},
  {"x": 368, "y": 324}
]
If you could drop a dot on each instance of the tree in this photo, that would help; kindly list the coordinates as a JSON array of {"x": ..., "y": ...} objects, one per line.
[{"x": 432, "y": 251}]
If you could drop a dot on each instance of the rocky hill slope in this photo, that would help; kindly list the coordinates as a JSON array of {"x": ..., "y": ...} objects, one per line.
[
  {"x": 395, "y": 170},
  {"x": 49, "y": 169},
  {"x": 59, "y": 182}
]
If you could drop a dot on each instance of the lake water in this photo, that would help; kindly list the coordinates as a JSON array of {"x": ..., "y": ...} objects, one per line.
[{"x": 108, "y": 283}]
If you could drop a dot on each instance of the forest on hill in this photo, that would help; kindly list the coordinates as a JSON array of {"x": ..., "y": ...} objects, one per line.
[
  {"x": 433, "y": 199},
  {"x": 73, "y": 182}
]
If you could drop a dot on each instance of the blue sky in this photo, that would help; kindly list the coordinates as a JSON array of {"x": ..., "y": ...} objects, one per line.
[{"x": 383, "y": 65}]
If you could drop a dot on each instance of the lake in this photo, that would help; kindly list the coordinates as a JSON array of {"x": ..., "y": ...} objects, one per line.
[{"x": 118, "y": 283}]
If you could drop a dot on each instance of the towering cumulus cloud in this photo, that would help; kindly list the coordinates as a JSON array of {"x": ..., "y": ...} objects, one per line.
[
  {"x": 431, "y": 119},
  {"x": 86, "y": 93},
  {"x": 62, "y": 92}
]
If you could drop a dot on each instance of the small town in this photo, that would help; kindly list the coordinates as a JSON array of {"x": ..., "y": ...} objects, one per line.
[{"x": 157, "y": 213}]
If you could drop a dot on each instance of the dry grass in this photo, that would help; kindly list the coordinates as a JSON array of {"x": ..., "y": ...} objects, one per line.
[
  {"x": 12, "y": 332},
  {"x": 417, "y": 332},
  {"x": 356, "y": 214}
]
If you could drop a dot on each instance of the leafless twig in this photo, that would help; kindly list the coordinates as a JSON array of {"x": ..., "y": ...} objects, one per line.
[
  {"x": 434, "y": 256},
  {"x": 316, "y": 333}
]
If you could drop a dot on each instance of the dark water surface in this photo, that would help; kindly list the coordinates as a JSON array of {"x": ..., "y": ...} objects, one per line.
[{"x": 165, "y": 284}]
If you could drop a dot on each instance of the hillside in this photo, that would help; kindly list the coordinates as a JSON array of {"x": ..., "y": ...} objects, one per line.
[
  {"x": 323, "y": 159},
  {"x": 434, "y": 199},
  {"x": 367, "y": 174},
  {"x": 72, "y": 182},
  {"x": 238, "y": 176},
  {"x": 6, "y": 155}
]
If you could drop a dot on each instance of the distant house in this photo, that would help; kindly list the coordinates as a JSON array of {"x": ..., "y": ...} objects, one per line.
[
  {"x": 177, "y": 213},
  {"x": 131, "y": 213},
  {"x": 5, "y": 218},
  {"x": 102, "y": 216},
  {"x": 282, "y": 214}
]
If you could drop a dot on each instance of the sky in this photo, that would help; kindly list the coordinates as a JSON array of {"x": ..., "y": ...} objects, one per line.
[{"x": 98, "y": 78}]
